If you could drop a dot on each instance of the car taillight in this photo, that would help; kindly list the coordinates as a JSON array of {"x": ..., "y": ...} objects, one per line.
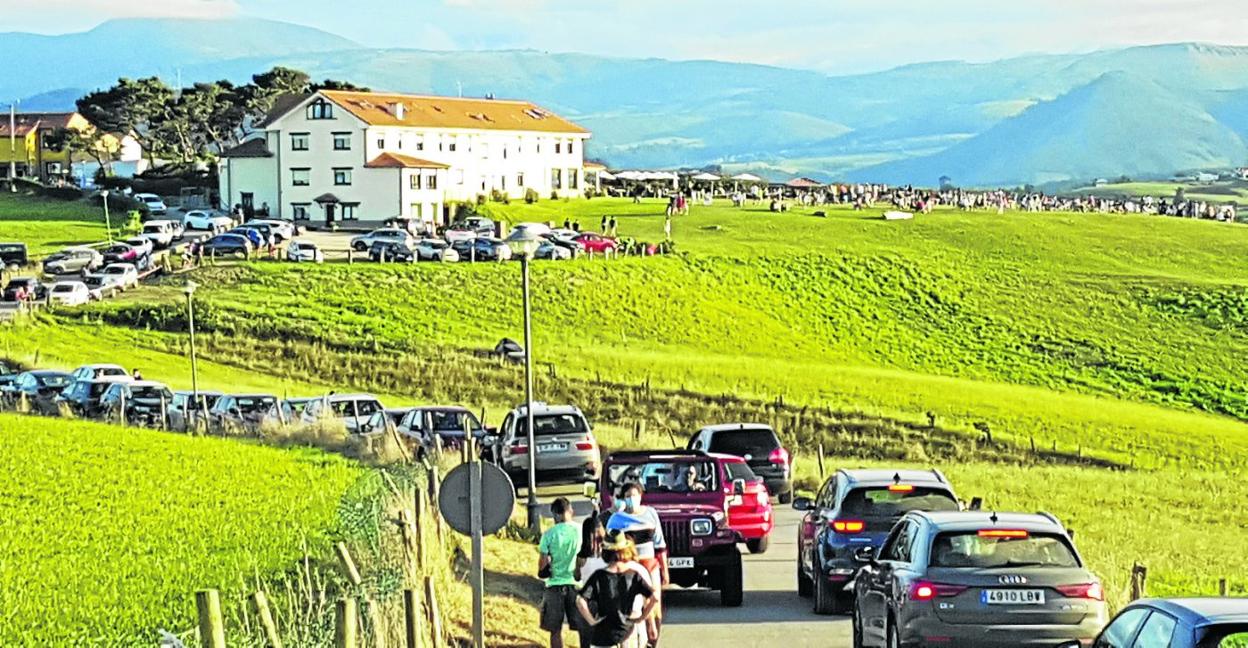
[
  {"x": 779, "y": 456},
  {"x": 1092, "y": 591},
  {"x": 1012, "y": 534},
  {"x": 519, "y": 449},
  {"x": 848, "y": 526},
  {"x": 926, "y": 591},
  {"x": 901, "y": 488},
  {"x": 585, "y": 445}
]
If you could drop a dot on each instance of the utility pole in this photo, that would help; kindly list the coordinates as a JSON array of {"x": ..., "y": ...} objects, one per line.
[{"x": 13, "y": 147}]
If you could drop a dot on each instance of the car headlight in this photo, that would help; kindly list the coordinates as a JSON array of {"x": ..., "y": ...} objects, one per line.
[{"x": 702, "y": 527}]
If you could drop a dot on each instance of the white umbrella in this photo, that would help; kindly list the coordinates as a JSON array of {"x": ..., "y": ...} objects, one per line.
[
  {"x": 706, "y": 177},
  {"x": 747, "y": 177}
]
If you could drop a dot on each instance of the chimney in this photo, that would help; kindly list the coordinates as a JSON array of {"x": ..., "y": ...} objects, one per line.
[{"x": 397, "y": 109}]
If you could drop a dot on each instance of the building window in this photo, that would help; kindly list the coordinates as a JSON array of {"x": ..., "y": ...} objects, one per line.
[
  {"x": 431, "y": 181},
  {"x": 556, "y": 178},
  {"x": 342, "y": 141},
  {"x": 459, "y": 176},
  {"x": 558, "y": 147},
  {"x": 420, "y": 142},
  {"x": 342, "y": 177},
  {"x": 52, "y": 168},
  {"x": 452, "y": 146},
  {"x": 349, "y": 211},
  {"x": 300, "y": 211},
  {"x": 520, "y": 180},
  {"x": 573, "y": 179},
  {"x": 300, "y": 177},
  {"x": 298, "y": 141},
  {"x": 381, "y": 142},
  {"x": 320, "y": 109},
  {"x": 416, "y": 180}
]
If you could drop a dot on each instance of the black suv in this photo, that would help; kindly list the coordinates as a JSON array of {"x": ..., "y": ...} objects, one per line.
[
  {"x": 758, "y": 445},
  {"x": 82, "y": 397},
  {"x": 392, "y": 251},
  {"x": 848, "y": 521},
  {"x": 13, "y": 255},
  {"x": 34, "y": 288}
]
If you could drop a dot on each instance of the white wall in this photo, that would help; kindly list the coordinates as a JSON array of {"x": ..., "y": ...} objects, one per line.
[{"x": 257, "y": 176}]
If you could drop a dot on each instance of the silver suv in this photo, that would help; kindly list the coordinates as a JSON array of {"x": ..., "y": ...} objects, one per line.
[{"x": 566, "y": 448}]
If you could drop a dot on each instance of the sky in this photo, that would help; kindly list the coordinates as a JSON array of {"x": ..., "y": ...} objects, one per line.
[{"x": 841, "y": 36}]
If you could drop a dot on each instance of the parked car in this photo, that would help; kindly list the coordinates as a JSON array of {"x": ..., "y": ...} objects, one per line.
[
  {"x": 481, "y": 249},
  {"x": 202, "y": 220},
  {"x": 363, "y": 242},
  {"x": 238, "y": 413},
  {"x": 849, "y": 520},
  {"x": 392, "y": 252},
  {"x": 82, "y": 397},
  {"x": 436, "y": 250},
  {"x": 7, "y": 376},
  {"x": 72, "y": 261},
  {"x": 470, "y": 228},
  {"x": 382, "y": 421},
  {"x": 226, "y": 245},
  {"x": 760, "y": 447},
  {"x": 750, "y": 513},
  {"x": 40, "y": 387},
  {"x": 596, "y": 243},
  {"x": 566, "y": 447},
  {"x": 977, "y": 579},
  {"x": 121, "y": 253},
  {"x": 1179, "y": 623},
  {"x": 186, "y": 409},
  {"x": 99, "y": 286},
  {"x": 161, "y": 233},
  {"x": 268, "y": 236},
  {"x": 352, "y": 410},
  {"x": 34, "y": 288},
  {"x": 701, "y": 546},
  {"x": 423, "y": 427},
  {"x": 122, "y": 275},
  {"x": 566, "y": 239},
  {"x": 552, "y": 251},
  {"x": 98, "y": 371},
  {"x": 144, "y": 402},
  {"x": 293, "y": 408},
  {"x": 143, "y": 245},
  {"x": 282, "y": 230},
  {"x": 69, "y": 293},
  {"x": 13, "y": 255},
  {"x": 300, "y": 251},
  {"x": 155, "y": 204},
  {"x": 413, "y": 226},
  {"x": 252, "y": 235}
]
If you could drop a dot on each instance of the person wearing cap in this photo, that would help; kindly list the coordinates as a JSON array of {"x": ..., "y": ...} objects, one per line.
[{"x": 608, "y": 602}]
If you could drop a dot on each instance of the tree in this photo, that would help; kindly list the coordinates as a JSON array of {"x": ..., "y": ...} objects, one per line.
[
  {"x": 213, "y": 115},
  {"x": 264, "y": 89},
  {"x": 89, "y": 141},
  {"x": 139, "y": 107},
  {"x": 331, "y": 84}
]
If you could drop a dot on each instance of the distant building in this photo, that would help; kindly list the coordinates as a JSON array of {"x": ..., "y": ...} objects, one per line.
[
  {"x": 360, "y": 158},
  {"x": 29, "y": 151},
  {"x": 1206, "y": 177},
  {"x": 1242, "y": 174},
  {"x": 1100, "y": 182}
]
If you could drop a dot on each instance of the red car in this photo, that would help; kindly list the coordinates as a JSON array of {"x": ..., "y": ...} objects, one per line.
[
  {"x": 749, "y": 514},
  {"x": 596, "y": 243}
]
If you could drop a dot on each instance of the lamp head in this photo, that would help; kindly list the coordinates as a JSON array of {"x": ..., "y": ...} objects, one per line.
[
  {"x": 523, "y": 242},
  {"x": 190, "y": 288}
]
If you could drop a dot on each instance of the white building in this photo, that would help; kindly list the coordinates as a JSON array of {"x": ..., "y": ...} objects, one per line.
[{"x": 360, "y": 158}]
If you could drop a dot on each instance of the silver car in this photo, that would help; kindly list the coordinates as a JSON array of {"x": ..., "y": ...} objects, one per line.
[
  {"x": 566, "y": 448},
  {"x": 353, "y": 410}
]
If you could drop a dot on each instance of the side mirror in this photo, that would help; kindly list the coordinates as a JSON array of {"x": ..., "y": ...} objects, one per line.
[
  {"x": 590, "y": 490},
  {"x": 738, "y": 487},
  {"x": 803, "y": 504}
]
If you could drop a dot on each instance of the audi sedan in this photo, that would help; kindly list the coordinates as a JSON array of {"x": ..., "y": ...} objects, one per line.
[{"x": 977, "y": 580}]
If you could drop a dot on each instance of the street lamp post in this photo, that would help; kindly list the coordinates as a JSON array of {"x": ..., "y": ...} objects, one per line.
[
  {"x": 108, "y": 225},
  {"x": 524, "y": 244},
  {"x": 198, "y": 401}
]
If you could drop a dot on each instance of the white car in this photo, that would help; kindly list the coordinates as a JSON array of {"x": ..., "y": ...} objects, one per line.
[
  {"x": 353, "y": 410},
  {"x": 436, "y": 250},
  {"x": 121, "y": 275},
  {"x": 201, "y": 220},
  {"x": 536, "y": 230},
  {"x": 282, "y": 230},
  {"x": 144, "y": 245},
  {"x": 69, "y": 293},
  {"x": 362, "y": 242},
  {"x": 155, "y": 204},
  {"x": 161, "y": 233},
  {"x": 300, "y": 251}
]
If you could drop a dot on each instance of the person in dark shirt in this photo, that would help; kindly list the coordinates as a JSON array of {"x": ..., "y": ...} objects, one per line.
[{"x": 608, "y": 600}]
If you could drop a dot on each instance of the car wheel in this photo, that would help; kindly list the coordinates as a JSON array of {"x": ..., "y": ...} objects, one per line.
[
  {"x": 825, "y": 598},
  {"x": 759, "y": 545},
  {"x": 359, "y": 247},
  {"x": 785, "y": 498},
  {"x": 731, "y": 593},
  {"x": 805, "y": 587}
]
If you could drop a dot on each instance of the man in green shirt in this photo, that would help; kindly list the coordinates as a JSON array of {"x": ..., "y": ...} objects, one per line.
[{"x": 557, "y": 563}]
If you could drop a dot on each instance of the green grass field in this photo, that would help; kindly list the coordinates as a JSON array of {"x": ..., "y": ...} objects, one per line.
[
  {"x": 1220, "y": 192},
  {"x": 47, "y": 225}
]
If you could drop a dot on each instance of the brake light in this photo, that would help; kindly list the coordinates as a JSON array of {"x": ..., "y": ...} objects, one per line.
[
  {"x": 519, "y": 449},
  {"x": 1003, "y": 533},
  {"x": 584, "y": 445},
  {"x": 926, "y": 591},
  {"x": 779, "y": 456},
  {"x": 1092, "y": 591},
  {"x": 901, "y": 488},
  {"x": 848, "y": 526}
]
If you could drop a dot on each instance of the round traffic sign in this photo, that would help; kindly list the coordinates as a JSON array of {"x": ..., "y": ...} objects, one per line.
[{"x": 498, "y": 498}]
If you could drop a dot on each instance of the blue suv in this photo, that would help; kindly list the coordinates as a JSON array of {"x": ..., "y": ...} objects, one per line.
[{"x": 848, "y": 520}]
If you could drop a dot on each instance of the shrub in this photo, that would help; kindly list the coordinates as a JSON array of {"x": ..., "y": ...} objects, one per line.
[
  {"x": 480, "y": 200},
  {"x": 530, "y": 195},
  {"x": 554, "y": 195},
  {"x": 500, "y": 197}
]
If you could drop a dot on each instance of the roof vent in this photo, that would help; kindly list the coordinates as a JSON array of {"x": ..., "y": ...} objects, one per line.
[
  {"x": 398, "y": 109},
  {"x": 534, "y": 113}
]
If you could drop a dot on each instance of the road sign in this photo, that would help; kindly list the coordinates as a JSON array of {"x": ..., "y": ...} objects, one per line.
[{"x": 498, "y": 498}]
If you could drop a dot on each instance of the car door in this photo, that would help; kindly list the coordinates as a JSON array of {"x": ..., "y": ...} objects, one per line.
[
  {"x": 810, "y": 532},
  {"x": 877, "y": 587}
]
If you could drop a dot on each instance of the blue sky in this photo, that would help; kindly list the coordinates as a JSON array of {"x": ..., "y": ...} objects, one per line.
[{"x": 831, "y": 35}]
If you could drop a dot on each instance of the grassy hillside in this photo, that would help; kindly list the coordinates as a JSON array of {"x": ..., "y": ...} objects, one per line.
[
  {"x": 108, "y": 532},
  {"x": 47, "y": 225}
]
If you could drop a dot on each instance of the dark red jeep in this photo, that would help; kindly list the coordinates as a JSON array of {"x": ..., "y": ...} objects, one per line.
[{"x": 692, "y": 491}]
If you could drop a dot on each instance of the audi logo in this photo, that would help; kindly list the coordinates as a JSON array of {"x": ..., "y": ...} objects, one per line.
[{"x": 1012, "y": 580}]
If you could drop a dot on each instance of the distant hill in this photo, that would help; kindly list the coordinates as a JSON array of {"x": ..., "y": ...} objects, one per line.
[{"x": 781, "y": 122}]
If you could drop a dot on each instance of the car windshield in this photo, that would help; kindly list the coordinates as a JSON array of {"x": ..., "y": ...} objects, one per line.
[
  {"x": 678, "y": 476},
  {"x": 355, "y": 407},
  {"x": 756, "y": 443},
  {"x": 154, "y": 229},
  {"x": 63, "y": 288},
  {"x": 9, "y": 249},
  {"x": 118, "y": 249},
  {"x": 552, "y": 424},
  {"x": 115, "y": 270},
  {"x": 452, "y": 422},
  {"x": 879, "y": 502},
  {"x": 148, "y": 391},
  {"x": 969, "y": 549},
  {"x": 94, "y": 280},
  {"x": 99, "y": 388},
  {"x": 250, "y": 405}
]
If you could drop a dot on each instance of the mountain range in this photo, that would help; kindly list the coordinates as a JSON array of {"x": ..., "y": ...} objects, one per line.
[{"x": 1145, "y": 112}]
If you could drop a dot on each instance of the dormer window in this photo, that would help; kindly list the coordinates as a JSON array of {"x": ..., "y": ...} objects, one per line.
[{"x": 320, "y": 109}]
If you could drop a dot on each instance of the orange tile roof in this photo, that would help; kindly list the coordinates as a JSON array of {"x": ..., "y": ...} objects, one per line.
[
  {"x": 26, "y": 122},
  {"x": 397, "y": 161},
  {"x": 376, "y": 109}
]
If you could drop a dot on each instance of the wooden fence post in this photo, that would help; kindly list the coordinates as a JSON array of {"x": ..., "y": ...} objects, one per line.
[
  {"x": 348, "y": 565},
  {"x": 211, "y": 623},
  {"x": 261, "y": 603},
  {"x": 435, "y": 617},
  {"x": 1222, "y": 588},
  {"x": 1139, "y": 581},
  {"x": 821, "y": 472},
  {"x": 421, "y": 513},
  {"x": 411, "y": 618},
  {"x": 346, "y": 622}
]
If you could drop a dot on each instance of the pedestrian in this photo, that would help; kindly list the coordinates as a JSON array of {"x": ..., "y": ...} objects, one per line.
[
  {"x": 576, "y": 226},
  {"x": 603, "y": 227},
  {"x": 567, "y": 224},
  {"x": 137, "y": 374},
  {"x": 608, "y": 602},
  {"x": 557, "y": 563},
  {"x": 667, "y": 227},
  {"x": 642, "y": 526},
  {"x": 611, "y": 226}
]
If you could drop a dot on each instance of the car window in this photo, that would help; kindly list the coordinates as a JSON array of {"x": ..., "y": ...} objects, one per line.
[
  {"x": 972, "y": 549},
  {"x": 1156, "y": 632},
  {"x": 756, "y": 443},
  {"x": 665, "y": 476},
  {"x": 884, "y": 502},
  {"x": 740, "y": 471},
  {"x": 55, "y": 380},
  {"x": 452, "y": 421},
  {"x": 368, "y": 407},
  {"x": 1122, "y": 629},
  {"x": 249, "y": 405},
  {"x": 552, "y": 424},
  {"x": 897, "y": 547},
  {"x": 1238, "y": 638}
]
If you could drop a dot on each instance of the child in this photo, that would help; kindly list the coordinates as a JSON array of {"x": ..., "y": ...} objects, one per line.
[{"x": 613, "y": 592}]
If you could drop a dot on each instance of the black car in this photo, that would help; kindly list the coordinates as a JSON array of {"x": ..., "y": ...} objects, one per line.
[
  {"x": 848, "y": 521},
  {"x": 758, "y": 445},
  {"x": 82, "y": 397},
  {"x": 31, "y": 285},
  {"x": 13, "y": 255},
  {"x": 225, "y": 245},
  {"x": 40, "y": 388},
  {"x": 478, "y": 249},
  {"x": 392, "y": 251},
  {"x": 1179, "y": 623},
  {"x": 143, "y": 403}
]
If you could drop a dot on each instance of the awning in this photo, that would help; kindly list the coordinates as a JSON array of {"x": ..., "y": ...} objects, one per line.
[
  {"x": 326, "y": 199},
  {"x": 747, "y": 177},
  {"x": 706, "y": 177}
]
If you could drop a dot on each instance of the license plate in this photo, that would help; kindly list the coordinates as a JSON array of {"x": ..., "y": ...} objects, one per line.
[
  {"x": 680, "y": 563},
  {"x": 552, "y": 447},
  {"x": 1012, "y": 597}
]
